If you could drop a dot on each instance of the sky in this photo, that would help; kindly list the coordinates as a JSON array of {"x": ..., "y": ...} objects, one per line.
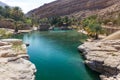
[{"x": 26, "y": 5}]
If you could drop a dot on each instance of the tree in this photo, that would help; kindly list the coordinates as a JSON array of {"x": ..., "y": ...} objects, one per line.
[
  {"x": 17, "y": 14},
  {"x": 67, "y": 21},
  {"x": 92, "y": 26},
  {"x": 28, "y": 21},
  {"x": 95, "y": 29},
  {"x": 14, "y": 13},
  {"x": 1, "y": 10},
  {"x": 18, "y": 25},
  {"x": 7, "y": 12},
  {"x": 60, "y": 21},
  {"x": 35, "y": 20},
  {"x": 55, "y": 21}
]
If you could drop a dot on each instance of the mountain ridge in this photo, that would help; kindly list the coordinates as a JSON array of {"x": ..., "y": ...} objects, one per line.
[{"x": 77, "y": 8}]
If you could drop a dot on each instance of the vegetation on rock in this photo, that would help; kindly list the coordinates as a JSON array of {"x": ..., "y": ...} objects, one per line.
[{"x": 12, "y": 17}]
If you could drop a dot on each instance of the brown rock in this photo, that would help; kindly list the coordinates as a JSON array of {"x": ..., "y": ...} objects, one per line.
[{"x": 78, "y": 8}]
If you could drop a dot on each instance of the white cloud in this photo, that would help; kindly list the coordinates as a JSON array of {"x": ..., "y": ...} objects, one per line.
[{"x": 26, "y": 5}]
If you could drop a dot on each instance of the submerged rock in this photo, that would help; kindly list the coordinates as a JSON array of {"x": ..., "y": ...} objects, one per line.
[
  {"x": 14, "y": 63},
  {"x": 104, "y": 57}
]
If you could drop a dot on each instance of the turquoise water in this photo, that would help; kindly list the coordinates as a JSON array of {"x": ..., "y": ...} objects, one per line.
[{"x": 56, "y": 56}]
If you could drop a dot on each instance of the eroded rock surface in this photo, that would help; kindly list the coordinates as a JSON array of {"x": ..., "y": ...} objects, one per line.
[
  {"x": 104, "y": 57},
  {"x": 14, "y": 63},
  {"x": 78, "y": 8}
]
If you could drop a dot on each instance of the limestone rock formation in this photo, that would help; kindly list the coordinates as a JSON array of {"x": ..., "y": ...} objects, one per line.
[
  {"x": 114, "y": 36},
  {"x": 103, "y": 56},
  {"x": 14, "y": 63}
]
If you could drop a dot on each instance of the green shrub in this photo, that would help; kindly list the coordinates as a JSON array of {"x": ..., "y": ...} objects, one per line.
[{"x": 5, "y": 34}]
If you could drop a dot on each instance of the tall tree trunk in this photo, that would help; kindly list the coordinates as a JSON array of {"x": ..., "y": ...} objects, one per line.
[{"x": 96, "y": 36}]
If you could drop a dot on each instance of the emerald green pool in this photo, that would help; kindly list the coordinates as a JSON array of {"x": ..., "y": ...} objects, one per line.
[{"x": 56, "y": 56}]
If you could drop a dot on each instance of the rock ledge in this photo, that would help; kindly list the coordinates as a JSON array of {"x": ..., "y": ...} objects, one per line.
[
  {"x": 104, "y": 57},
  {"x": 14, "y": 63}
]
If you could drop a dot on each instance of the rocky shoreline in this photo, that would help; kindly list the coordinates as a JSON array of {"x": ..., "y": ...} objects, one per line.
[
  {"x": 104, "y": 57},
  {"x": 14, "y": 61}
]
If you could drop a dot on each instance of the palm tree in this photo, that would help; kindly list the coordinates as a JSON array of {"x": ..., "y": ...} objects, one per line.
[
  {"x": 7, "y": 12},
  {"x": 1, "y": 10},
  {"x": 17, "y": 14},
  {"x": 92, "y": 26}
]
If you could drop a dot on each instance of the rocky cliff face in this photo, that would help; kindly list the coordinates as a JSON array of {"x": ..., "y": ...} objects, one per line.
[
  {"x": 14, "y": 64},
  {"x": 77, "y": 8},
  {"x": 104, "y": 57}
]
